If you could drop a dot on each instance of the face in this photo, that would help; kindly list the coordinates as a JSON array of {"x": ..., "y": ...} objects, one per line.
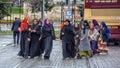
[
  {"x": 76, "y": 25},
  {"x": 40, "y": 24},
  {"x": 47, "y": 22},
  {"x": 91, "y": 25},
  {"x": 35, "y": 21},
  {"x": 101, "y": 26},
  {"x": 82, "y": 26},
  {"x": 67, "y": 23}
]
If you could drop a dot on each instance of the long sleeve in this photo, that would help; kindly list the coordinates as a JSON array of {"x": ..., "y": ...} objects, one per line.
[
  {"x": 13, "y": 25},
  {"x": 53, "y": 33}
]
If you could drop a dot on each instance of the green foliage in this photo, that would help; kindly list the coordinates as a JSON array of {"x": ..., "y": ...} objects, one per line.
[
  {"x": 3, "y": 10},
  {"x": 15, "y": 10},
  {"x": 37, "y": 5}
]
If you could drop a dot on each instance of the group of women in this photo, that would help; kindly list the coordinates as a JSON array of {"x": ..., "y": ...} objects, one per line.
[
  {"x": 36, "y": 39},
  {"x": 78, "y": 40},
  {"x": 82, "y": 39}
]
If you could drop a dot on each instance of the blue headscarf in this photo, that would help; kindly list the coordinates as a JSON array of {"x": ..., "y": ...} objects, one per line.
[{"x": 45, "y": 24}]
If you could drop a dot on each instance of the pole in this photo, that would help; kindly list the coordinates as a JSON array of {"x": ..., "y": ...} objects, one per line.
[
  {"x": 43, "y": 8},
  {"x": 74, "y": 11},
  {"x": 69, "y": 7},
  {"x": 61, "y": 10},
  {"x": 20, "y": 9}
]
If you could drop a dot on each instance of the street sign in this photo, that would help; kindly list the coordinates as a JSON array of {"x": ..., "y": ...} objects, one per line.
[{"x": 68, "y": 13}]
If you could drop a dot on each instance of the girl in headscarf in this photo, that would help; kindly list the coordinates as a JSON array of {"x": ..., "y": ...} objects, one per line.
[
  {"x": 25, "y": 38},
  {"x": 94, "y": 36},
  {"x": 35, "y": 35},
  {"x": 104, "y": 38},
  {"x": 47, "y": 36},
  {"x": 84, "y": 46},
  {"x": 105, "y": 32}
]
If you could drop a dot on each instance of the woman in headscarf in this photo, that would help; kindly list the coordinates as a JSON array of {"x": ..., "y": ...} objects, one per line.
[
  {"x": 68, "y": 42},
  {"x": 84, "y": 46},
  {"x": 105, "y": 32},
  {"x": 25, "y": 38},
  {"x": 35, "y": 35},
  {"x": 47, "y": 36},
  {"x": 40, "y": 39},
  {"x": 95, "y": 36},
  {"x": 77, "y": 31}
]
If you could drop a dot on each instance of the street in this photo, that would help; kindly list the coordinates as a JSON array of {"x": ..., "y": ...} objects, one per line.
[{"x": 9, "y": 58}]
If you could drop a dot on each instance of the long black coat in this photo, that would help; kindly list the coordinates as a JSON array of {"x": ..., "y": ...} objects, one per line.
[
  {"x": 68, "y": 42},
  {"x": 34, "y": 46},
  {"x": 24, "y": 50},
  {"x": 47, "y": 37}
]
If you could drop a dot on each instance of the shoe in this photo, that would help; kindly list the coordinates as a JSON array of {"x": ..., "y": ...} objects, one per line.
[
  {"x": 79, "y": 57},
  {"x": 26, "y": 57},
  {"x": 46, "y": 57}
]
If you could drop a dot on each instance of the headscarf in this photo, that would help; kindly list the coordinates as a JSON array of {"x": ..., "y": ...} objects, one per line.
[
  {"x": 24, "y": 24},
  {"x": 86, "y": 24},
  {"x": 45, "y": 24},
  {"x": 62, "y": 25},
  {"x": 96, "y": 25},
  {"x": 104, "y": 25}
]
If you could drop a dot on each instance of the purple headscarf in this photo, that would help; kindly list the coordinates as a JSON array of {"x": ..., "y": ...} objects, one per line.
[
  {"x": 45, "y": 24},
  {"x": 95, "y": 23}
]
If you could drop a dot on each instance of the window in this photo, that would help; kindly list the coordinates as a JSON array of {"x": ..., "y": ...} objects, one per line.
[{"x": 105, "y": 1}]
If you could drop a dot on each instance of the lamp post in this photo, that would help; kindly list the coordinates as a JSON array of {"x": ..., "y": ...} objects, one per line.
[
  {"x": 43, "y": 8},
  {"x": 11, "y": 5},
  {"x": 61, "y": 11},
  {"x": 20, "y": 9}
]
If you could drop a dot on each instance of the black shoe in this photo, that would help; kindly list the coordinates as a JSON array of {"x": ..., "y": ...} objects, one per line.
[
  {"x": 46, "y": 57},
  {"x": 26, "y": 57},
  {"x": 79, "y": 57},
  {"x": 31, "y": 57}
]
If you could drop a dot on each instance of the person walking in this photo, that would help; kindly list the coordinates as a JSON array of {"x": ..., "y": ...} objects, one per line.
[
  {"x": 95, "y": 36},
  {"x": 15, "y": 27},
  {"x": 35, "y": 38},
  {"x": 25, "y": 38},
  {"x": 77, "y": 31},
  {"x": 48, "y": 37},
  {"x": 68, "y": 42},
  {"x": 84, "y": 46}
]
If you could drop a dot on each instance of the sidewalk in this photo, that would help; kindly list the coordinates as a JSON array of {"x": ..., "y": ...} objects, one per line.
[{"x": 6, "y": 40}]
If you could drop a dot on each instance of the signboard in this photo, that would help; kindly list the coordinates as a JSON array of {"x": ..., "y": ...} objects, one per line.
[{"x": 68, "y": 14}]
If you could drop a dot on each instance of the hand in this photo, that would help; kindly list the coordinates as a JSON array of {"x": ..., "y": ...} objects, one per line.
[
  {"x": 62, "y": 33},
  {"x": 28, "y": 39},
  {"x": 39, "y": 38},
  {"x": 77, "y": 36},
  {"x": 81, "y": 39},
  {"x": 29, "y": 29},
  {"x": 33, "y": 30}
]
